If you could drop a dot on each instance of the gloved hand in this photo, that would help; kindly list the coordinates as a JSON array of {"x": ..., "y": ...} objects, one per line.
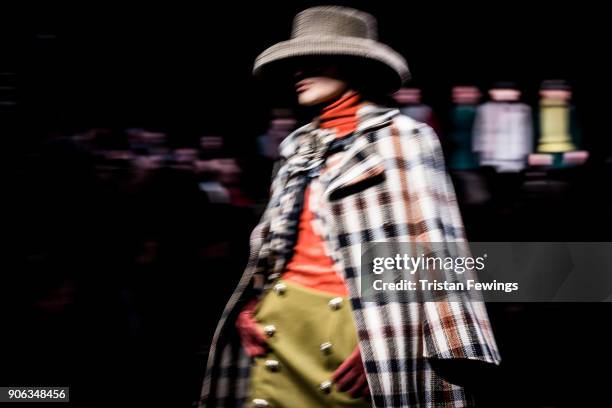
[
  {"x": 252, "y": 337},
  {"x": 351, "y": 377}
]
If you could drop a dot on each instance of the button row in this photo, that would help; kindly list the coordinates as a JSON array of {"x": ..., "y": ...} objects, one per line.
[{"x": 325, "y": 348}]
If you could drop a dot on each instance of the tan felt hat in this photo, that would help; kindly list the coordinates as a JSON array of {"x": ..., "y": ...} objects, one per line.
[{"x": 334, "y": 31}]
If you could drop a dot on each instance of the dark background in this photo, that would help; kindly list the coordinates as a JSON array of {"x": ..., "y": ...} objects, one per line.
[
  {"x": 189, "y": 69},
  {"x": 78, "y": 312}
]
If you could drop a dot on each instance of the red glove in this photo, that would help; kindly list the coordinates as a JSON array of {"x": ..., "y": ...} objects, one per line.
[
  {"x": 252, "y": 336},
  {"x": 351, "y": 376}
]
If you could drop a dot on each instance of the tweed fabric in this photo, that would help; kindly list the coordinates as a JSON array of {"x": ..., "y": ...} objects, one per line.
[
  {"x": 388, "y": 185},
  {"x": 337, "y": 31}
]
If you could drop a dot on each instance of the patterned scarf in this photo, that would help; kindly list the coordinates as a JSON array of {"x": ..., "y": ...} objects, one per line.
[
  {"x": 304, "y": 165},
  {"x": 334, "y": 132}
]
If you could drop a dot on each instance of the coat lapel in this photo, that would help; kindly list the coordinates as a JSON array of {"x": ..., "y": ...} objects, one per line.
[{"x": 360, "y": 166}]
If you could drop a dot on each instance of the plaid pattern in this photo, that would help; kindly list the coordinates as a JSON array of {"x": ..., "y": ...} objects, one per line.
[{"x": 388, "y": 185}]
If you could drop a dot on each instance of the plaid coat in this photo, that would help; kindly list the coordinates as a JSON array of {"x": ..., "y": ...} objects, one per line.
[{"x": 388, "y": 185}]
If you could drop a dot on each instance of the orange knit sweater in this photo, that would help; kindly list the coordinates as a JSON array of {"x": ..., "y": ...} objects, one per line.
[{"x": 310, "y": 266}]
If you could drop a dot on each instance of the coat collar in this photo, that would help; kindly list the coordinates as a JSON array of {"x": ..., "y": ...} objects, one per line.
[
  {"x": 360, "y": 161},
  {"x": 369, "y": 116}
]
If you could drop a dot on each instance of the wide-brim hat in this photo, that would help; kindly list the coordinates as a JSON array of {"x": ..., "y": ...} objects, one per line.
[{"x": 342, "y": 33}]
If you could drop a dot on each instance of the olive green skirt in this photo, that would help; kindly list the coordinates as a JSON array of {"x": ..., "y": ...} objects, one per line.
[{"x": 309, "y": 333}]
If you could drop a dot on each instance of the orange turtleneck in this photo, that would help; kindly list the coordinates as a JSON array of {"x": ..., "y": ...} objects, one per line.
[
  {"x": 310, "y": 266},
  {"x": 341, "y": 114}
]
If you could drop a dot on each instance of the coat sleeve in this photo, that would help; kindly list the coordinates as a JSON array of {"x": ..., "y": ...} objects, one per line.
[
  {"x": 456, "y": 326},
  {"x": 452, "y": 223}
]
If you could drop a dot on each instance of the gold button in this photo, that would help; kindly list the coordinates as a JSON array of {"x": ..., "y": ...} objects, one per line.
[
  {"x": 272, "y": 365},
  {"x": 326, "y": 347},
  {"x": 270, "y": 329},
  {"x": 325, "y": 386},
  {"x": 280, "y": 288},
  {"x": 335, "y": 303},
  {"x": 260, "y": 403}
]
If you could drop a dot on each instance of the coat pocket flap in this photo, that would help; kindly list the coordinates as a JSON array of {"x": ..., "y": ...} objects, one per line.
[{"x": 356, "y": 176}]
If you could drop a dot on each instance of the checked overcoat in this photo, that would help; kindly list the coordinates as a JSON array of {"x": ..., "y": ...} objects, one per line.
[{"x": 389, "y": 184}]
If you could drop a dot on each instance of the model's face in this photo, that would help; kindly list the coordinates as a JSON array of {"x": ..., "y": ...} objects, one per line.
[
  {"x": 505, "y": 95},
  {"x": 556, "y": 94},
  {"x": 318, "y": 85}
]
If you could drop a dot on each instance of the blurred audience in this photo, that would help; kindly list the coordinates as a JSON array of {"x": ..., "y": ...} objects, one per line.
[
  {"x": 503, "y": 131},
  {"x": 411, "y": 104}
]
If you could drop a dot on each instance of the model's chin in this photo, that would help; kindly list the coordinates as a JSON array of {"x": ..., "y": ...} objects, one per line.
[
  {"x": 309, "y": 100},
  {"x": 313, "y": 97}
]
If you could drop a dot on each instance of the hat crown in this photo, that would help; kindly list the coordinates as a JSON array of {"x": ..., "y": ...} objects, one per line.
[{"x": 334, "y": 21}]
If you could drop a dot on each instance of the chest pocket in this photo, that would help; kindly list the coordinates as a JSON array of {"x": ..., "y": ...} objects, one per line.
[{"x": 363, "y": 169}]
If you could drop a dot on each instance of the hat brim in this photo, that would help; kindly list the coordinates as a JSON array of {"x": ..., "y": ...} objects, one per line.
[{"x": 386, "y": 69}]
